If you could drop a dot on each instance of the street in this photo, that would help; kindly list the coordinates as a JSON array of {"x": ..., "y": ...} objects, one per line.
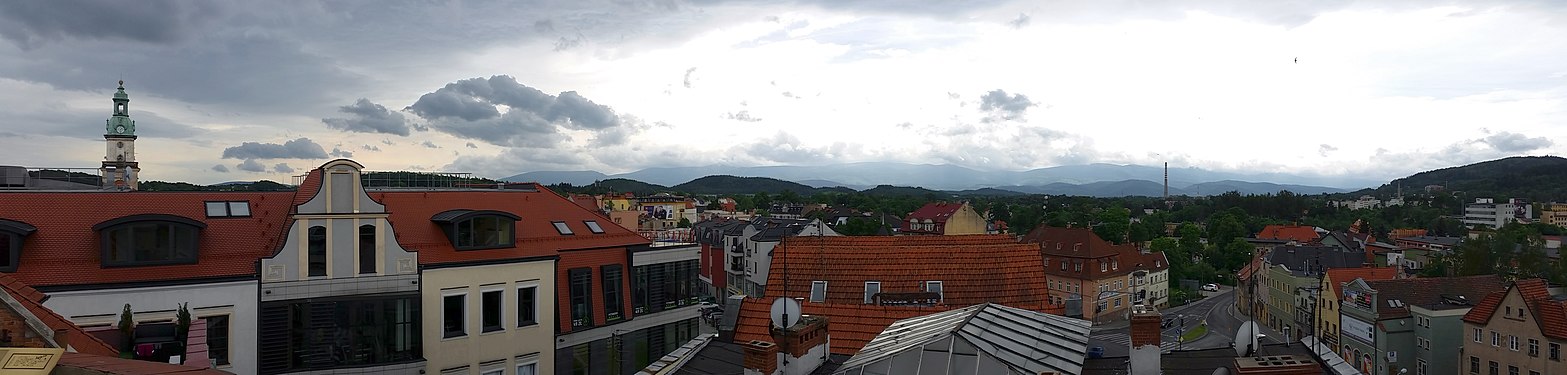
[{"x": 1216, "y": 309}]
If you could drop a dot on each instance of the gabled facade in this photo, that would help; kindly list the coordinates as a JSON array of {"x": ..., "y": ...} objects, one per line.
[
  {"x": 154, "y": 251},
  {"x": 1095, "y": 279},
  {"x": 1521, "y": 330},
  {"x": 1327, "y": 306},
  {"x": 942, "y": 218},
  {"x": 340, "y": 292},
  {"x": 1407, "y": 324},
  {"x": 761, "y": 236}
]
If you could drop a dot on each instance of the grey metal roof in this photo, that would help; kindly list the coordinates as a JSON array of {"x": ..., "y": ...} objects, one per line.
[
  {"x": 1017, "y": 340},
  {"x": 1308, "y": 260}
]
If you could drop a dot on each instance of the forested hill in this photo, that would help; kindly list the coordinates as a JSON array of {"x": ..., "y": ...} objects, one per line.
[
  {"x": 1537, "y": 178},
  {"x": 725, "y": 184}
]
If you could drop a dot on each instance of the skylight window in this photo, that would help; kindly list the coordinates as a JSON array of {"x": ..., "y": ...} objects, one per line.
[
  {"x": 818, "y": 291},
  {"x": 560, "y": 226},
  {"x": 593, "y": 226},
  {"x": 228, "y": 209}
]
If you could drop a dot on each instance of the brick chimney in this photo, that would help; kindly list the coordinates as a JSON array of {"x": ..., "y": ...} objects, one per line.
[
  {"x": 1145, "y": 336},
  {"x": 795, "y": 350}
]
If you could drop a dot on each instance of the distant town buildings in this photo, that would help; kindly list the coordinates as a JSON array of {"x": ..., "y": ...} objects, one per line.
[
  {"x": 942, "y": 218},
  {"x": 1489, "y": 213}
]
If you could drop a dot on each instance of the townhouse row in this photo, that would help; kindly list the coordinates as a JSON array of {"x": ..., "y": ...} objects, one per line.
[{"x": 336, "y": 277}]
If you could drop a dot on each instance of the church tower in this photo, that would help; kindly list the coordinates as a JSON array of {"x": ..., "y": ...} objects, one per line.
[{"x": 119, "y": 169}]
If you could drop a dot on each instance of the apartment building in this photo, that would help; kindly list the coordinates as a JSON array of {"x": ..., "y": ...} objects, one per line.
[
  {"x": 1410, "y": 325},
  {"x": 1517, "y": 331},
  {"x": 1095, "y": 279}
]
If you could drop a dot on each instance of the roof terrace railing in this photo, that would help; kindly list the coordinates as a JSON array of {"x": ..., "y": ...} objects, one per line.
[
  {"x": 380, "y": 180},
  {"x": 50, "y": 178}
]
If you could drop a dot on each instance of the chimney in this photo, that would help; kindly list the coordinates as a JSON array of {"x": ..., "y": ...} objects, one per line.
[
  {"x": 795, "y": 350},
  {"x": 1145, "y": 335}
]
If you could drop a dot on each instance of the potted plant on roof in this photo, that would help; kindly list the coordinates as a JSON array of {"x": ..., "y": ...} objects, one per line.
[
  {"x": 182, "y": 328},
  {"x": 127, "y": 333}
]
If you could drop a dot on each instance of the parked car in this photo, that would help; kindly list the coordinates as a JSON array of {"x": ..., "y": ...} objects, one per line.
[{"x": 1210, "y": 287}]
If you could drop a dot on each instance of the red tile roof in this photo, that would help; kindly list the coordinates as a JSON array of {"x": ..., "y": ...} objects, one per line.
[
  {"x": 1549, "y": 313},
  {"x": 99, "y": 364},
  {"x": 410, "y": 213},
  {"x": 32, "y": 300},
  {"x": 1429, "y": 292},
  {"x": 65, "y": 249},
  {"x": 849, "y": 326},
  {"x": 1297, "y": 233},
  {"x": 309, "y": 187},
  {"x": 1081, "y": 245},
  {"x": 973, "y": 269},
  {"x": 937, "y": 212}
]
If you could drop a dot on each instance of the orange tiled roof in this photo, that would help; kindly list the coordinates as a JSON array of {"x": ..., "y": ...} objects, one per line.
[
  {"x": 1081, "y": 245},
  {"x": 65, "y": 250},
  {"x": 849, "y": 326},
  {"x": 1298, "y": 233},
  {"x": 33, "y": 301},
  {"x": 1549, "y": 314},
  {"x": 973, "y": 269},
  {"x": 937, "y": 212},
  {"x": 102, "y": 364},
  {"x": 410, "y": 213},
  {"x": 1481, "y": 313}
]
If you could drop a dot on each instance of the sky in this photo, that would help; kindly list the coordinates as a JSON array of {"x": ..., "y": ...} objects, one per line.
[{"x": 226, "y": 91}]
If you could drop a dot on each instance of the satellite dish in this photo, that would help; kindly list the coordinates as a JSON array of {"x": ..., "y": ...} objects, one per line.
[
  {"x": 1246, "y": 338},
  {"x": 1221, "y": 371},
  {"x": 785, "y": 312}
]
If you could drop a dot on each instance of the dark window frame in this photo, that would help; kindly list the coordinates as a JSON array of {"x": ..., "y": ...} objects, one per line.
[
  {"x": 594, "y": 226},
  {"x": 499, "y": 311},
  {"x": 447, "y": 332},
  {"x": 315, "y": 249},
  {"x": 107, "y": 230},
  {"x": 228, "y": 209},
  {"x": 613, "y": 276},
  {"x": 528, "y": 308},
  {"x": 292, "y": 339},
  {"x": 218, "y": 353},
  {"x": 562, "y": 228},
  {"x": 12, "y": 235},
  {"x": 367, "y": 254},
  {"x": 580, "y": 297}
]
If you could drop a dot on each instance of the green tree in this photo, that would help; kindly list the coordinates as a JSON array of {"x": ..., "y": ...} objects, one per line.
[
  {"x": 1113, "y": 224},
  {"x": 859, "y": 227},
  {"x": 684, "y": 223},
  {"x": 762, "y": 200}
]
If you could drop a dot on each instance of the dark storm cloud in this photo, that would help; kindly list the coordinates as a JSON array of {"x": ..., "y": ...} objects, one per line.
[
  {"x": 302, "y": 148},
  {"x": 369, "y": 118},
  {"x": 220, "y": 168},
  {"x": 1514, "y": 142},
  {"x": 471, "y": 109},
  {"x": 32, "y": 24},
  {"x": 1001, "y": 106},
  {"x": 57, "y": 119},
  {"x": 251, "y": 165},
  {"x": 282, "y": 168}
]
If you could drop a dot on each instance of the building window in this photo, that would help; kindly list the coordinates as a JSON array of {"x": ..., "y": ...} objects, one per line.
[
  {"x": 527, "y": 369},
  {"x": 1512, "y": 370},
  {"x": 613, "y": 298},
  {"x": 484, "y": 232},
  {"x": 1495, "y": 370},
  {"x": 818, "y": 291},
  {"x": 560, "y": 226},
  {"x": 593, "y": 226},
  {"x": 491, "y": 302},
  {"x": 137, "y": 242},
  {"x": 218, "y": 339},
  {"x": 11, "y": 235},
  {"x": 1479, "y": 335},
  {"x": 1420, "y": 367},
  {"x": 527, "y": 305},
  {"x": 338, "y": 333},
  {"x": 367, "y": 248},
  {"x": 1556, "y": 351},
  {"x": 228, "y": 209},
  {"x": 316, "y": 250},
  {"x": 1474, "y": 365},
  {"x": 1103, "y": 266},
  {"x": 1496, "y": 339},
  {"x": 1512, "y": 343},
  {"x": 1534, "y": 348},
  {"x": 494, "y": 372},
  {"x": 872, "y": 288},
  {"x": 581, "y": 281},
  {"x": 935, "y": 287},
  {"x": 454, "y": 310}
]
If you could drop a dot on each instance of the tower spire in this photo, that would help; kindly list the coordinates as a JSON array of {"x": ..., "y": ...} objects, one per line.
[{"x": 119, "y": 170}]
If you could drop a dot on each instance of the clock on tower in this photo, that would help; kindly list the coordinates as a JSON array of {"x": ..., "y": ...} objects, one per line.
[{"x": 120, "y": 170}]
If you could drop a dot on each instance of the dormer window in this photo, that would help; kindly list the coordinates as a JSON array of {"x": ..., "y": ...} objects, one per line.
[
  {"x": 145, "y": 240},
  {"x": 477, "y": 230},
  {"x": 593, "y": 226},
  {"x": 818, "y": 291},
  {"x": 11, "y": 235},
  {"x": 872, "y": 288},
  {"x": 935, "y": 287}
]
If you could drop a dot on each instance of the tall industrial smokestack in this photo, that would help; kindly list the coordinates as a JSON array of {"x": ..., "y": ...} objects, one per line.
[{"x": 1167, "y": 204}]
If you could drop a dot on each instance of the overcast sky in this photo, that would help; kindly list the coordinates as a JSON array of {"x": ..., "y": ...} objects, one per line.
[{"x": 249, "y": 90}]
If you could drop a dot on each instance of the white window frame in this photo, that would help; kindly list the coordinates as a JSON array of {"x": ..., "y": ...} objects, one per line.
[
  {"x": 494, "y": 289},
  {"x": 465, "y": 328},
  {"x": 500, "y": 371},
  {"x": 941, "y": 290},
  {"x": 818, "y": 294},
  {"x": 1512, "y": 343},
  {"x": 871, "y": 289},
  {"x": 533, "y": 363},
  {"x": 1479, "y": 335}
]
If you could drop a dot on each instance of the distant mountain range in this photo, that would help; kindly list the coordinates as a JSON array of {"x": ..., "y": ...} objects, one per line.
[
  {"x": 1537, "y": 178},
  {"x": 1089, "y": 180}
]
